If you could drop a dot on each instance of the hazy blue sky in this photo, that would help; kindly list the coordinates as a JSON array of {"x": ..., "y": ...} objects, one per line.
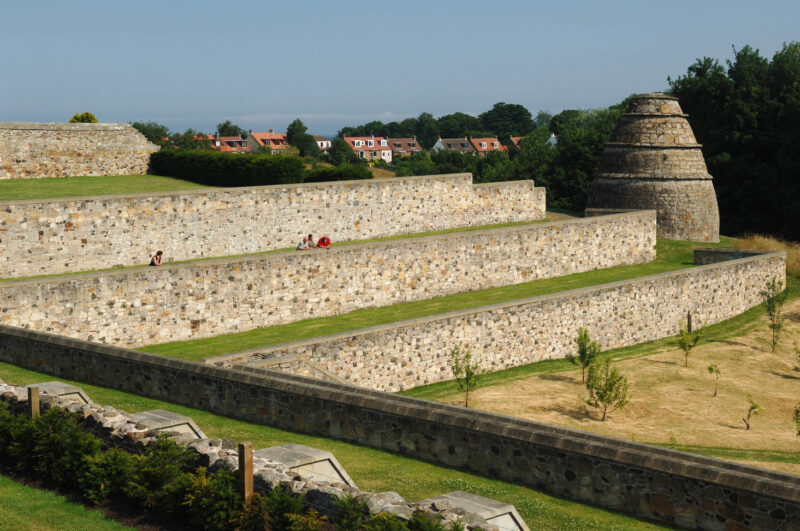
[{"x": 263, "y": 63}]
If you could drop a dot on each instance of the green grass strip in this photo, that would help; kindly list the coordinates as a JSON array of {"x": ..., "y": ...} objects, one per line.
[
  {"x": 54, "y": 188},
  {"x": 29, "y": 508},
  {"x": 672, "y": 255},
  {"x": 371, "y": 469},
  {"x": 737, "y": 454}
]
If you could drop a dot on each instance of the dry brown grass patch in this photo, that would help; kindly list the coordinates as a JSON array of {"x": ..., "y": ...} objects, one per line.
[{"x": 769, "y": 243}]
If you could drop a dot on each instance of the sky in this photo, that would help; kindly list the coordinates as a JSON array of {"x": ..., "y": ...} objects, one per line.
[{"x": 261, "y": 64}]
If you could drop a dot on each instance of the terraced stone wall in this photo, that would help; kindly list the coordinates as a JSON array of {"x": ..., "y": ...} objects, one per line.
[
  {"x": 412, "y": 353},
  {"x": 31, "y": 150},
  {"x": 80, "y": 234},
  {"x": 667, "y": 486},
  {"x": 175, "y": 302}
]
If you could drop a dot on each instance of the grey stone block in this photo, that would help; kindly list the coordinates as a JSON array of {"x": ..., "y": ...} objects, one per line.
[
  {"x": 64, "y": 391},
  {"x": 162, "y": 420},
  {"x": 501, "y": 514},
  {"x": 311, "y": 463}
]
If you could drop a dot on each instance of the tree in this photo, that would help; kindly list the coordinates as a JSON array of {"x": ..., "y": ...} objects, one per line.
[
  {"x": 772, "y": 298},
  {"x": 154, "y": 132},
  {"x": 753, "y": 409},
  {"x": 466, "y": 373},
  {"x": 427, "y": 130},
  {"x": 296, "y": 136},
  {"x": 588, "y": 350},
  {"x": 687, "y": 342},
  {"x": 507, "y": 119},
  {"x": 796, "y": 368},
  {"x": 227, "y": 128},
  {"x": 341, "y": 152},
  {"x": 83, "y": 118},
  {"x": 457, "y": 125},
  {"x": 607, "y": 386},
  {"x": 714, "y": 369},
  {"x": 535, "y": 157},
  {"x": 189, "y": 139}
]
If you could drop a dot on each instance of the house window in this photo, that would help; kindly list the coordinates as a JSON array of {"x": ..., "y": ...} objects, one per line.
[
  {"x": 451, "y": 146},
  {"x": 244, "y": 144},
  {"x": 361, "y": 154},
  {"x": 412, "y": 144},
  {"x": 373, "y": 153},
  {"x": 495, "y": 145},
  {"x": 383, "y": 142}
]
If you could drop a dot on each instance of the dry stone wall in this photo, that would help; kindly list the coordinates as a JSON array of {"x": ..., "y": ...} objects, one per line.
[
  {"x": 671, "y": 487},
  {"x": 412, "y": 353},
  {"x": 80, "y": 234},
  {"x": 152, "y": 305},
  {"x": 30, "y": 150}
]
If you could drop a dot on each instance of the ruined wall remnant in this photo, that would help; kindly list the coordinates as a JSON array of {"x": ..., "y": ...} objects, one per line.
[{"x": 654, "y": 162}]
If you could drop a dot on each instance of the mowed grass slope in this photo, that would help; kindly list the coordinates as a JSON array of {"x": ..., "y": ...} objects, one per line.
[
  {"x": 51, "y": 188},
  {"x": 672, "y": 255},
  {"x": 371, "y": 469},
  {"x": 31, "y": 509}
]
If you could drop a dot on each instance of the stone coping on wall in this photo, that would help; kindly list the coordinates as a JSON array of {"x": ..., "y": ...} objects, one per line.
[
  {"x": 248, "y": 189},
  {"x": 674, "y": 463},
  {"x": 590, "y": 290},
  {"x": 60, "y": 126},
  {"x": 270, "y": 257}
]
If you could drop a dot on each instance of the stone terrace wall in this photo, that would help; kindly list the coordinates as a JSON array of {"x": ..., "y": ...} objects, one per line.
[
  {"x": 413, "y": 353},
  {"x": 646, "y": 481},
  {"x": 80, "y": 234},
  {"x": 30, "y": 150},
  {"x": 197, "y": 299}
]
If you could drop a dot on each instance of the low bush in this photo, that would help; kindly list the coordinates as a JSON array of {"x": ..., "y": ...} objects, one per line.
[{"x": 245, "y": 169}]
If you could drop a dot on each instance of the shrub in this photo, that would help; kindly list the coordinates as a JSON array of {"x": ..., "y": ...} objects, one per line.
[
  {"x": 312, "y": 521},
  {"x": 59, "y": 445},
  {"x": 687, "y": 342},
  {"x": 159, "y": 483},
  {"x": 279, "y": 505},
  {"x": 345, "y": 172},
  {"x": 253, "y": 516},
  {"x": 245, "y": 169},
  {"x": 753, "y": 409},
  {"x": 422, "y": 521},
  {"x": 107, "y": 474},
  {"x": 212, "y": 501},
  {"x": 83, "y": 118},
  {"x": 351, "y": 513},
  {"x": 385, "y": 522}
]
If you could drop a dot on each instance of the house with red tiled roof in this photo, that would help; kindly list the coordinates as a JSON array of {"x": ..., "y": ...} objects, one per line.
[
  {"x": 552, "y": 141},
  {"x": 324, "y": 144},
  {"x": 487, "y": 145},
  {"x": 276, "y": 142},
  {"x": 515, "y": 140},
  {"x": 453, "y": 144},
  {"x": 370, "y": 147},
  {"x": 404, "y": 147},
  {"x": 229, "y": 144}
]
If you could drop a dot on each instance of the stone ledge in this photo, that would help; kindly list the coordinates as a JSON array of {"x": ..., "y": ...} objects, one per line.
[
  {"x": 269, "y": 257},
  {"x": 59, "y": 126},
  {"x": 573, "y": 293}
]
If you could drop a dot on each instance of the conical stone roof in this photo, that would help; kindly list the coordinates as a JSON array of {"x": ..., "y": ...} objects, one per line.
[{"x": 653, "y": 161}]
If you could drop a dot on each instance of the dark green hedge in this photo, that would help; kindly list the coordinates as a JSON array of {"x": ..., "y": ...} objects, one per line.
[{"x": 244, "y": 169}]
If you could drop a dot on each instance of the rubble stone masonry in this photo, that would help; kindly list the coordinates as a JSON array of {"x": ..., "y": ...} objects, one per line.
[
  {"x": 80, "y": 234},
  {"x": 31, "y": 150},
  {"x": 675, "y": 488},
  {"x": 176, "y": 302},
  {"x": 412, "y": 353}
]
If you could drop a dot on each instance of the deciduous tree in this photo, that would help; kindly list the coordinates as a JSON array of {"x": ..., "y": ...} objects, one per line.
[
  {"x": 587, "y": 351},
  {"x": 83, "y": 118},
  {"x": 753, "y": 409},
  {"x": 466, "y": 372},
  {"x": 687, "y": 341},
  {"x": 227, "y": 128},
  {"x": 607, "y": 387},
  {"x": 772, "y": 298},
  {"x": 714, "y": 369}
]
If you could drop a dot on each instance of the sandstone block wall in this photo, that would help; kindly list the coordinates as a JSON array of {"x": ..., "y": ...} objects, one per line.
[
  {"x": 646, "y": 481},
  {"x": 412, "y": 353},
  {"x": 30, "y": 150},
  {"x": 80, "y": 234},
  {"x": 197, "y": 299}
]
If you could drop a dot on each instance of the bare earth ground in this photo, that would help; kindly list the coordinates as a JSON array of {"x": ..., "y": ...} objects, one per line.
[{"x": 668, "y": 398}]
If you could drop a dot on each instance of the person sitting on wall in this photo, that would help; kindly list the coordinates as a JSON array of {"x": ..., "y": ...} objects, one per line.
[
  {"x": 311, "y": 244},
  {"x": 324, "y": 243},
  {"x": 157, "y": 258},
  {"x": 303, "y": 245}
]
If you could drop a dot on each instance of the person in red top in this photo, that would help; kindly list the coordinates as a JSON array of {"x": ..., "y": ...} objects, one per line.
[{"x": 324, "y": 243}]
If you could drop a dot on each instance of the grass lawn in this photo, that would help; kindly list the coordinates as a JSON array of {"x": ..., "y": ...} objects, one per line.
[
  {"x": 12, "y": 189},
  {"x": 672, "y": 255},
  {"x": 28, "y": 508},
  {"x": 371, "y": 469}
]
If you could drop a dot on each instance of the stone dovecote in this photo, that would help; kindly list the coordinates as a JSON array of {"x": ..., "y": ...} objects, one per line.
[{"x": 654, "y": 162}]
